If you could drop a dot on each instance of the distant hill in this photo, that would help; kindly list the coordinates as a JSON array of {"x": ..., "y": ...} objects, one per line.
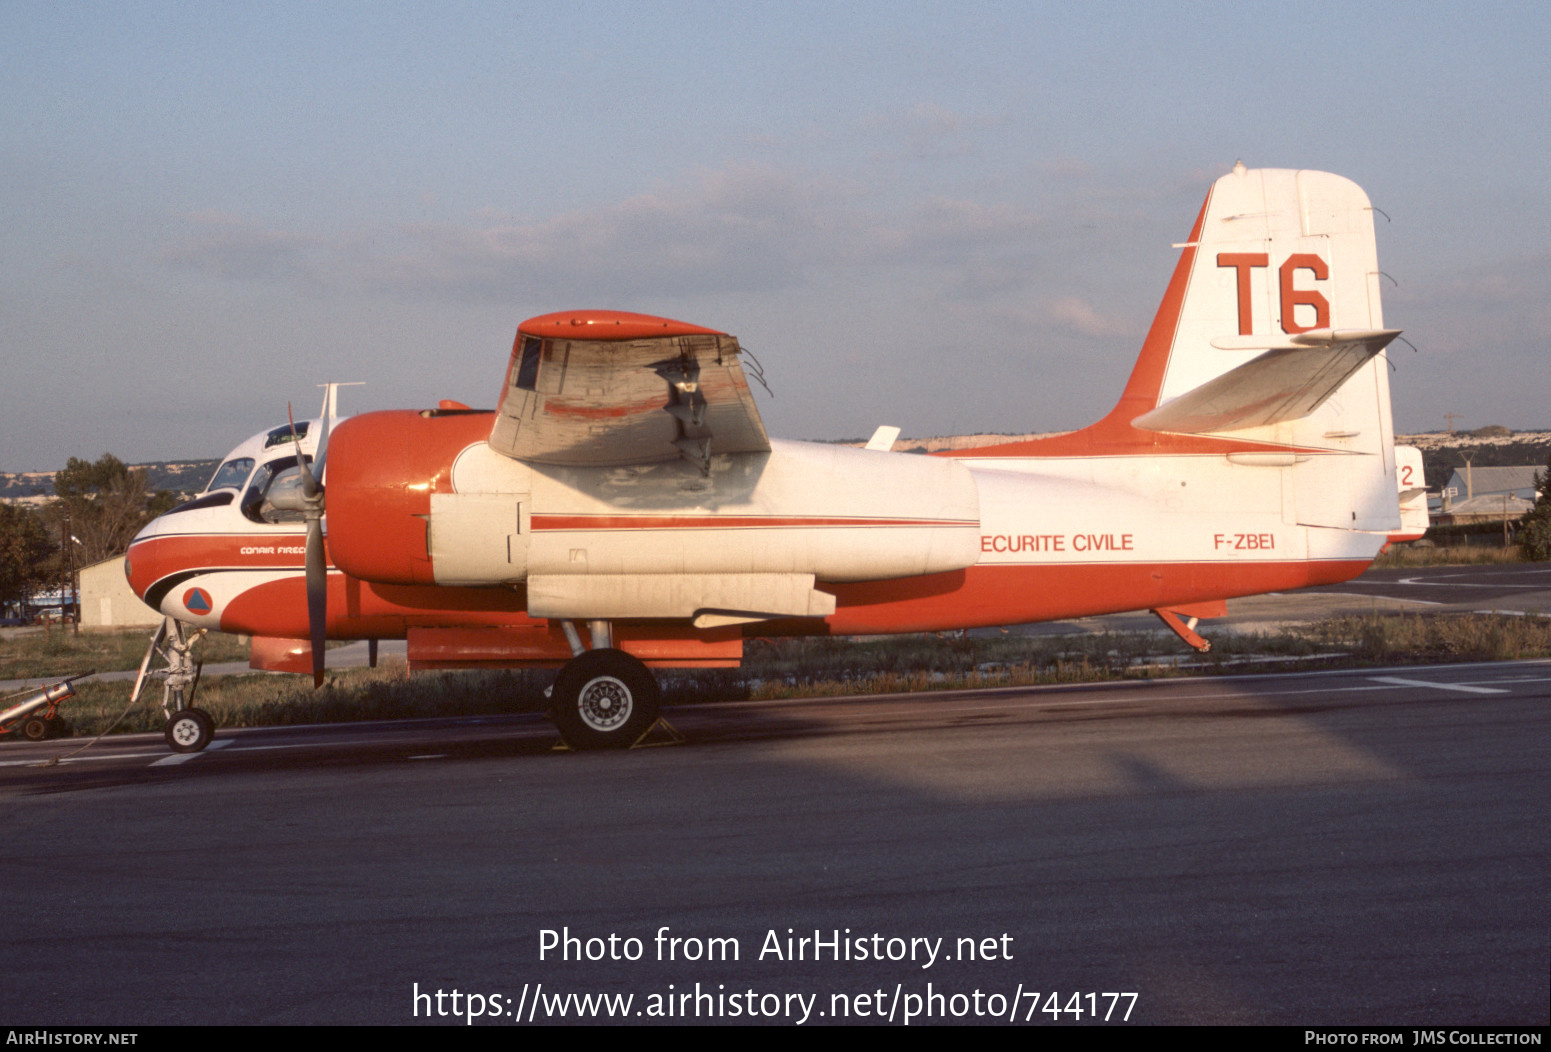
[
  {"x": 1487, "y": 447},
  {"x": 179, "y": 476}
]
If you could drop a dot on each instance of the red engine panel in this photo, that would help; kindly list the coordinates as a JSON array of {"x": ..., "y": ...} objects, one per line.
[{"x": 382, "y": 470}]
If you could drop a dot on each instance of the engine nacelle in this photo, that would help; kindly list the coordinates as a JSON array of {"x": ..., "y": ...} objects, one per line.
[{"x": 382, "y": 470}]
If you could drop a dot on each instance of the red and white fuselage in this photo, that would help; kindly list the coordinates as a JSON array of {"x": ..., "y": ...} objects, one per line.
[
  {"x": 1251, "y": 451},
  {"x": 904, "y": 543}
]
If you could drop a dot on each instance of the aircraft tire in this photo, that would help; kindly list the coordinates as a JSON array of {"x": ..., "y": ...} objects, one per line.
[
  {"x": 189, "y": 730},
  {"x": 604, "y": 699}
]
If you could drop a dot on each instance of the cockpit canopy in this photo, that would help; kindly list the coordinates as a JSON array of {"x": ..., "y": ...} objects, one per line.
[{"x": 255, "y": 468}]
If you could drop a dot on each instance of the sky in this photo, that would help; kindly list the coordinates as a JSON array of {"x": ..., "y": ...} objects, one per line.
[{"x": 949, "y": 217}]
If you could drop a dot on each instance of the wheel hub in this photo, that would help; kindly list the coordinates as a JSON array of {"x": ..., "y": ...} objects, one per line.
[
  {"x": 185, "y": 730},
  {"x": 605, "y": 703}
]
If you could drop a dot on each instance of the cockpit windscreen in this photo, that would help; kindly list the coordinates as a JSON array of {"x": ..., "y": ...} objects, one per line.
[{"x": 232, "y": 474}]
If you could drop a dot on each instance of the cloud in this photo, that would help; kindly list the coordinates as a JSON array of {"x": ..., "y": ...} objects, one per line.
[
  {"x": 943, "y": 229},
  {"x": 1066, "y": 168},
  {"x": 1500, "y": 305},
  {"x": 735, "y": 229},
  {"x": 1080, "y": 318},
  {"x": 230, "y": 247},
  {"x": 925, "y": 131}
]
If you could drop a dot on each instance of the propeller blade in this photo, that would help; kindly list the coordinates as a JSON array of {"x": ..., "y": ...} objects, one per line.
[
  {"x": 317, "y": 564},
  {"x": 317, "y": 597},
  {"x": 317, "y": 458},
  {"x": 310, "y": 484}
]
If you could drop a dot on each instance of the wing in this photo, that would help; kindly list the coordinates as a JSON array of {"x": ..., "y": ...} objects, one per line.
[{"x": 607, "y": 387}]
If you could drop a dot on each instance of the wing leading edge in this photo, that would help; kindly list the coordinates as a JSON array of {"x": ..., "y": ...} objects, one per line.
[{"x": 608, "y": 387}]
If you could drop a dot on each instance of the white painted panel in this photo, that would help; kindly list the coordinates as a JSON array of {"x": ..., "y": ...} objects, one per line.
[{"x": 477, "y": 538}]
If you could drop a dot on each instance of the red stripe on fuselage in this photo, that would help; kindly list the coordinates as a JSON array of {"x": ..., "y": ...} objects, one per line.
[
  {"x": 724, "y": 522},
  {"x": 156, "y": 557},
  {"x": 984, "y": 596},
  {"x": 979, "y": 596}
]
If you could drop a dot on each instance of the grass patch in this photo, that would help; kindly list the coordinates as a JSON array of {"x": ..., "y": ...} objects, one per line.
[
  {"x": 1401, "y": 638},
  {"x": 58, "y": 652},
  {"x": 1407, "y": 555},
  {"x": 828, "y": 667},
  {"x": 271, "y": 700}
]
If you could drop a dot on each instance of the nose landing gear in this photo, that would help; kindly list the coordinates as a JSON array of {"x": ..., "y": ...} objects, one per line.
[{"x": 188, "y": 729}]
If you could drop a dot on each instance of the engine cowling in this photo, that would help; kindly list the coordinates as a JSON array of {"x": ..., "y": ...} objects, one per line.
[{"x": 382, "y": 470}]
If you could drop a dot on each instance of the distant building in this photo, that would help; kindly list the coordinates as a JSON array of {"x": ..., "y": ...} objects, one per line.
[
  {"x": 1474, "y": 483},
  {"x": 106, "y": 599},
  {"x": 1484, "y": 507}
]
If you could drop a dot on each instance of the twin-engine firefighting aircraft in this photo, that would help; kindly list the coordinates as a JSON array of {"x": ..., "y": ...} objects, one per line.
[{"x": 622, "y": 508}]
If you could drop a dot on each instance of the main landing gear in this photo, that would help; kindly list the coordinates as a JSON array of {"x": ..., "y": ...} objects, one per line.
[
  {"x": 188, "y": 729},
  {"x": 603, "y": 698}
]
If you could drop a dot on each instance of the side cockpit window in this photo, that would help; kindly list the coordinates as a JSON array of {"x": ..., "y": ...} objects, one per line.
[
  {"x": 528, "y": 366},
  {"x": 279, "y": 436},
  {"x": 277, "y": 474},
  {"x": 231, "y": 475}
]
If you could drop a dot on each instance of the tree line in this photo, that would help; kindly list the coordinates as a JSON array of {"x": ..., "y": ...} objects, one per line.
[
  {"x": 1534, "y": 532},
  {"x": 99, "y": 506}
]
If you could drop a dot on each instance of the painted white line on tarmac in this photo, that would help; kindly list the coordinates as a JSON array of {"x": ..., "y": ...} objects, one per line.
[
  {"x": 1397, "y": 681},
  {"x": 184, "y": 757},
  {"x": 99, "y": 757},
  {"x": 1369, "y": 595}
]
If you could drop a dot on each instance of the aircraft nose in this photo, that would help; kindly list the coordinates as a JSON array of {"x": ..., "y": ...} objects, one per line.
[{"x": 137, "y": 558}]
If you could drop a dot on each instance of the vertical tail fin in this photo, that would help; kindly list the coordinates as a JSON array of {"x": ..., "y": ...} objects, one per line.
[
  {"x": 1270, "y": 338},
  {"x": 1281, "y": 259},
  {"x": 1414, "y": 518},
  {"x": 1280, "y": 339}
]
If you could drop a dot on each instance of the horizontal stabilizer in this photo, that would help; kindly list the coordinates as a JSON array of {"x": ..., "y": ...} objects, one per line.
[{"x": 1285, "y": 383}]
